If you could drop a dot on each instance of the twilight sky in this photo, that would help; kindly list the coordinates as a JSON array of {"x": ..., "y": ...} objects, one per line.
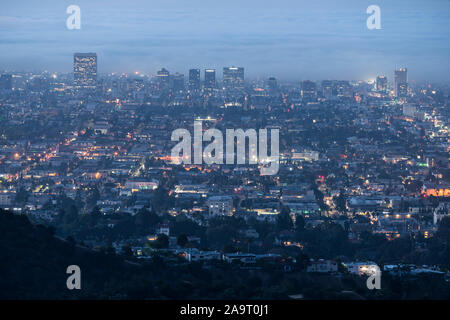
[{"x": 289, "y": 39}]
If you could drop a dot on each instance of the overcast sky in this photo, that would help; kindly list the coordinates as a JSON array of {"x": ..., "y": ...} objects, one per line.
[{"x": 289, "y": 39}]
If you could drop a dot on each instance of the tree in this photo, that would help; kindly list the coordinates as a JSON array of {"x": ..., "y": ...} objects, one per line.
[
  {"x": 299, "y": 223},
  {"x": 302, "y": 261},
  {"x": 145, "y": 220},
  {"x": 95, "y": 216},
  {"x": 228, "y": 248},
  {"x": 319, "y": 198},
  {"x": 284, "y": 220},
  {"x": 69, "y": 219},
  {"x": 160, "y": 199},
  {"x": 127, "y": 252},
  {"x": 161, "y": 242},
  {"x": 93, "y": 197},
  {"x": 182, "y": 240},
  {"x": 21, "y": 196},
  {"x": 341, "y": 203}
]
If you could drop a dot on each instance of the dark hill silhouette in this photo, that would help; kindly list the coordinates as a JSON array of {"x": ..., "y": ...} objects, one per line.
[{"x": 34, "y": 262}]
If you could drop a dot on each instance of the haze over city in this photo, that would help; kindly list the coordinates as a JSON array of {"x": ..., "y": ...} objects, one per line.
[
  {"x": 267, "y": 153},
  {"x": 291, "y": 40}
]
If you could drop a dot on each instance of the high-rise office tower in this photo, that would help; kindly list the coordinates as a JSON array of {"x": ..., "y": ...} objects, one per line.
[
  {"x": 272, "y": 86},
  {"x": 309, "y": 91},
  {"x": 85, "y": 70},
  {"x": 178, "y": 82},
  {"x": 210, "y": 78},
  {"x": 344, "y": 88},
  {"x": 381, "y": 84},
  {"x": 194, "y": 79},
  {"x": 327, "y": 89},
  {"x": 401, "y": 83},
  {"x": 163, "y": 77},
  {"x": 233, "y": 77},
  {"x": 137, "y": 85}
]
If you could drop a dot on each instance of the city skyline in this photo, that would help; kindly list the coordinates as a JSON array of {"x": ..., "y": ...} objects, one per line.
[
  {"x": 389, "y": 77},
  {"x": 290, "y": 40},
  {"x": 85, "y": 74}
]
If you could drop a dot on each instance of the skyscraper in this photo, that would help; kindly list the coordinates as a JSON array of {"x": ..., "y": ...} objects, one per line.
[
  {"x": 178, "y": 82},
  {"x": 309, "y": 91},
  {"x": 85, "y": 70},
  {"x": 233, "y": 77},
  {"x": 344, "y": 88},
  {"x": 272, "y": 86},
  {"x": 401, "y": 83},
  {"x": 327, "y": 89},
  {"x": 210, "y": 78},
  {"x": 163, "y": 77},
  {"x": 381, "y": 84},
  {"x": 194, "y": 79}
]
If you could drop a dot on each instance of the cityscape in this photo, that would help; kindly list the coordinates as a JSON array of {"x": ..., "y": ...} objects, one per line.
[
  {"x": 356, "y": 204},
  {"x": 363, "y": 178}
]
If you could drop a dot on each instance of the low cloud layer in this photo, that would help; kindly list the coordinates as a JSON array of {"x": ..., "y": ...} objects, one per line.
[{"x": 287, "y": 39}]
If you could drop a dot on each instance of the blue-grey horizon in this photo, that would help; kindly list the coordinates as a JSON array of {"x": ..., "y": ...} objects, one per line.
[{"x": 288, "y": 39}]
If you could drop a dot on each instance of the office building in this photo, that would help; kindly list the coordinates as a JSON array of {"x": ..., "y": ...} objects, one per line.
[
  {"x": 381, "y": 84},
  {"x": 163, "y": 77},
  {"x": 344, "y": 89},
  {"x": 401, "y": 83},
  {"x": 85, "y": 70},
  {"x": 210, "y": 78},
  {"x": 194, "y": 79},
  {"x": 233, "y": 77},
  {"x": 309, "y": 91},
  {"x": 220, "y": 205},
  {"x": 178, "y": 82},
  {"x": 272, "y": 86},
  {"x": 327, "y": 89}
]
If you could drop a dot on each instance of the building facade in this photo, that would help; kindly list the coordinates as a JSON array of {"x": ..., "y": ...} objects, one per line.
[
  {"x": 401, "y": 83},
  {"x": 85, "y": 70},
  {"x": 233, "y": 77}
]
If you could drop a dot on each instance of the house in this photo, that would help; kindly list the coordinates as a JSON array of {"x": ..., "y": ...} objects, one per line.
[
  {"x": 441, "y": 211},
  {"x": 193, "y": 239},
  {"x": 239, "y": 257},
  {"x": 137, "y": 185},
  {"x": 401, "y": 223},
  {"x": 322, "y": 266},
  {"x": 6, "y": 199},
  {"x": 362, "y": 268},
  {"x": 163, "y": 229},
  {"x": 194, "y": 254},
  {"x": 250, "y": 233}
]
